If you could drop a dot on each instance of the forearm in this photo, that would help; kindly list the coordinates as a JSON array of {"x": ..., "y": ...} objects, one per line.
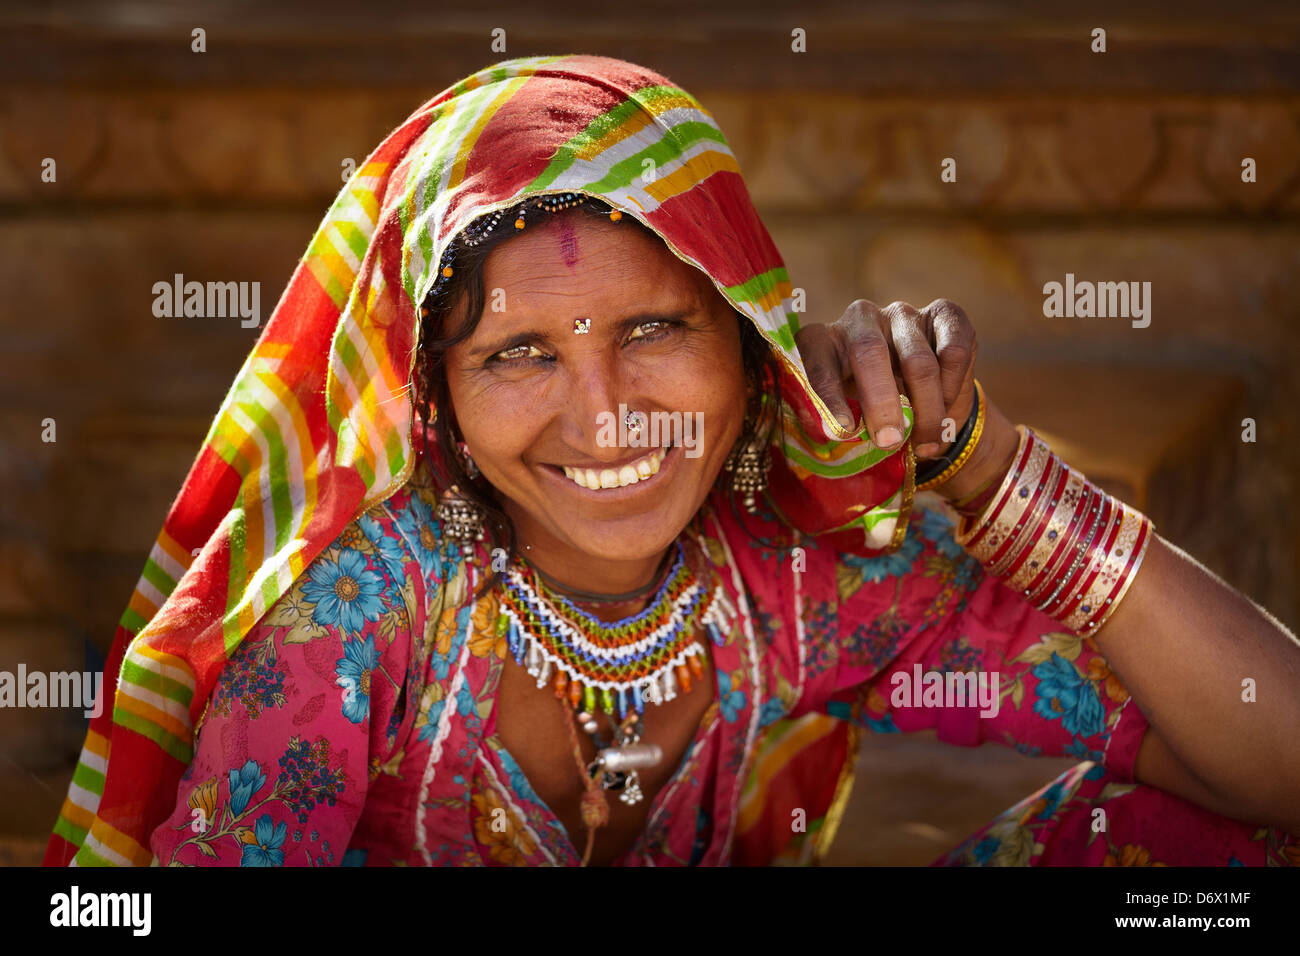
[
  {"x": 1193, "y": 653},
  {"x": 1184, "y": 644}
]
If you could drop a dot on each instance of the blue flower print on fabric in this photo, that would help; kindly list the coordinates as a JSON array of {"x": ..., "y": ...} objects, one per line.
[
  {"x": 266, "y": 850},
  {"x": 731, "y": 702},
  {"x": 419, "y": 527},
  {"x": 937, "y": 527},
  {"x": 245, "y": 782},
  {"x": 345, "y": 592},
  {"x": 1063, "y": 692},
  {"x": 895, "y": 565},
  {"x": 771, "y": 711},
  {"x": 389, "y": 549},
  {"x": 430, "y": 730},
  {"x": 354, "y": 670}
]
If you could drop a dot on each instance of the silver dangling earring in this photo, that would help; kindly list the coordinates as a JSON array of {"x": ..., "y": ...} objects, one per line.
[
  {"x": 461, "y": 519},
  {"x": 749, "y": 463}
]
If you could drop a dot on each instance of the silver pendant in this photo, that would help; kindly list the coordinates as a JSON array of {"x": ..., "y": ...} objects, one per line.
[
  {"x": 631, "y": 794},
  {"x": 629, "y": 757},
  {"x": 616, "y": 766}
]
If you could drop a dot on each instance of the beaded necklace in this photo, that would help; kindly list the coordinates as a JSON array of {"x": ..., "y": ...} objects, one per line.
[
  {"x": 643, "y": 657},
  {"x": 620, "y": 665}
]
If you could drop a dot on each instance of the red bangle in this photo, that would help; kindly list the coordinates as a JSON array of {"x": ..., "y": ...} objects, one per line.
[{"x": 1065, "y": 545}]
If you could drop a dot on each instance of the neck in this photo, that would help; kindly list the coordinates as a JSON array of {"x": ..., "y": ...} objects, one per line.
[
  {"x": 613, "y": 584},
  {"x": 642, "y": 593}
]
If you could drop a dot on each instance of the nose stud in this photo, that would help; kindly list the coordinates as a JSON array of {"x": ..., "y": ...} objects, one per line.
[{"x": 634, "y": 421}]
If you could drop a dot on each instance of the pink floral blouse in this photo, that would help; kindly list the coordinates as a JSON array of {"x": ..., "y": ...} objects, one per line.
[{"x": 356, "y": 724}]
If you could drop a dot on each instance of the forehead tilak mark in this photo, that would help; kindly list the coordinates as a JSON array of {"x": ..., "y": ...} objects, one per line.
[{"x": 568, "y": 244}]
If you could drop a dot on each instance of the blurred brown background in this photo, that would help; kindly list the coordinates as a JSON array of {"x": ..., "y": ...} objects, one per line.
[{"x": 1116, "y": 166}]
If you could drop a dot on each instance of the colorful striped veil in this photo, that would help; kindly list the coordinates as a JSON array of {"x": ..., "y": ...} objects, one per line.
[{"x": 318, "y": 424}]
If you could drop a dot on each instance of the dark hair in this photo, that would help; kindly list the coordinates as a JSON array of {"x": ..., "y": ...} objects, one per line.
[{"x": 760, "y": 364}]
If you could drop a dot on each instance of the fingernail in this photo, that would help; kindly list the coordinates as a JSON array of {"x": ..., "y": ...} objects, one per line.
[
  {"x": 844, "y": 419},
  {"x": 928, "y": 450},
  {"x": 888, "y": 437}
]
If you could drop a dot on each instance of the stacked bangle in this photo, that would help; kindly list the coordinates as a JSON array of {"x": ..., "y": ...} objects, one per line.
[
  {"x": 1068, "y": 547},
  {"x": 942, "y": 469}
]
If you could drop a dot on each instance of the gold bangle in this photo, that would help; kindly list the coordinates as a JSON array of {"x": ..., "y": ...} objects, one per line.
[{"x": 966, "y": 452}]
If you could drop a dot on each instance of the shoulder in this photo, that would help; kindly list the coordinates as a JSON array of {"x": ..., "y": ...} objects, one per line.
[
  {"x": 360, "y": 604},
  {"x": 373, "y": 579},
  {"x": 357, "y": 597},
  {"x": 408, "y": 524},
  {"x": 402, "y": 537}
]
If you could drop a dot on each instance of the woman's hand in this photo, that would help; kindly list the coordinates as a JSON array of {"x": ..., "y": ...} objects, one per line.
[{"x": 874, "y": 353}]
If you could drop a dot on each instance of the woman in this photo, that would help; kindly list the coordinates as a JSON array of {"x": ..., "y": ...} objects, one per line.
[{"x": 536, "y": 530}]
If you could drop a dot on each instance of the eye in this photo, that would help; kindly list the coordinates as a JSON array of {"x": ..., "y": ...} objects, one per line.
[
  {"x": 518, "y": 354},
  {"x": 658, "y": 328}
]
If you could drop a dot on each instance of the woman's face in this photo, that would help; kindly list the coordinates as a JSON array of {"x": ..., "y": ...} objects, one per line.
[{"x": 533, "y": 398}]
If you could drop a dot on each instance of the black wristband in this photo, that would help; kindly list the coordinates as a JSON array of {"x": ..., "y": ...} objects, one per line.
[{"x": 941, "y": 464}]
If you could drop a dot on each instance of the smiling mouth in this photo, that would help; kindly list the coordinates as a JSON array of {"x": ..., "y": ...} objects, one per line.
[{"x": 597, "y": 479}]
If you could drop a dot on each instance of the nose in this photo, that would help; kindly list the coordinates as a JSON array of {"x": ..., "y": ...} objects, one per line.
[{"x": 597, "y": 386}]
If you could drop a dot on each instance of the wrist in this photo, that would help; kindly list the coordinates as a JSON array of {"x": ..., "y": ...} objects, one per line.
[{"x": 989, "y": 462}]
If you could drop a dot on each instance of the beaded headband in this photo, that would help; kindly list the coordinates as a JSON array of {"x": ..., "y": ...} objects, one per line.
[{"x": 482, "y": 227}]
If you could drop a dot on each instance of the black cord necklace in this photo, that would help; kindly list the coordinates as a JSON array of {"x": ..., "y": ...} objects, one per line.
[{"x": 593, "y": 598}]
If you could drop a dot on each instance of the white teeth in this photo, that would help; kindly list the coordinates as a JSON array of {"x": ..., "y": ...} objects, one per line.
[{"x": 646, "y": 467}]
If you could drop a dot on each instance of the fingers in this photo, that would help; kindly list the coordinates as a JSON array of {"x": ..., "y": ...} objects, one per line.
[
  {"x": 868, "y": 355},
  {"x": 910, "y": 332},
  {"x": 821, "y": 357},
  {"x": 929, "y": 353},
  {"x": 955, "y": 346}
]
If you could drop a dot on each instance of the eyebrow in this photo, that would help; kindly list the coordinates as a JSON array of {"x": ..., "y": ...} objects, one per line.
[{"x": 621, "y": 327}]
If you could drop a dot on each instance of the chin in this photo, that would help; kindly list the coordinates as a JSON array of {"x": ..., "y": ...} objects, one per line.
[{"x": 634, "y": 539}]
